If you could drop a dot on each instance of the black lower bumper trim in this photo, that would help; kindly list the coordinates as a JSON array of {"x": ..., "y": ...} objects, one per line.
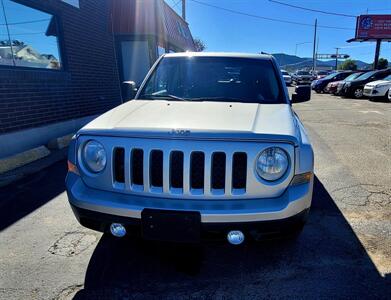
[{"x": 101, "y": 222}]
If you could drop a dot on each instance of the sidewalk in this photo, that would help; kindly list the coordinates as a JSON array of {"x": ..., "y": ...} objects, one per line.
[{"x": 33, "y": 167}]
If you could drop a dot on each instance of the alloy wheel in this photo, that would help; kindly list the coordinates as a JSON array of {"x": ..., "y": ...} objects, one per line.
[{"x": 358, "y": 93}]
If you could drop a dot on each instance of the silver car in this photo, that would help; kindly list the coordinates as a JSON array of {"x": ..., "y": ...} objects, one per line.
[
  {"x": 287, "y": 77},
  {"x": 210, "y": 146}
]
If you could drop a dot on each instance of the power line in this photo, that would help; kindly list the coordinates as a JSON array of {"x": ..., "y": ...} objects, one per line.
[
  {"x": 28, "y": 33},
  {"x": 267, "y": 18},
  {"x": 313, "y": 10},
  {"x": 27, "y": 22},
  {"x": 176, "y": 3}
]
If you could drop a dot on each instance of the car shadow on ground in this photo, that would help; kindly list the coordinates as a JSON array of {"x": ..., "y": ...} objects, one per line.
[
  {"x": 326, "y": 260},
  {"x": 24, "y": 196}
]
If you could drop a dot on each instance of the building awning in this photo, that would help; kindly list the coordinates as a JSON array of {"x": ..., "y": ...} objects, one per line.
[
  {"x": 177, "y": 31},
  {"x": 151, "y": 17}
]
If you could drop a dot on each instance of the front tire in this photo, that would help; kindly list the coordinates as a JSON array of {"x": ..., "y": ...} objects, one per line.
[{"x": 358, "y": 93}]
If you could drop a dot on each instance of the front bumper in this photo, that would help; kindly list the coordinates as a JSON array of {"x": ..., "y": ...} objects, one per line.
[
  {"x": 375, "y": 91},
  {"x": 293, "y": 201},
  {"x": 209, "y": 231},
  {"x": 303, "y": 81}
]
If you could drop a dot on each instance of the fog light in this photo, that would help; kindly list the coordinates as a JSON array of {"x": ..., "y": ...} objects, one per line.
[
  {"x": 235, "y": 237},
  {"x": 117, "y": 230}
]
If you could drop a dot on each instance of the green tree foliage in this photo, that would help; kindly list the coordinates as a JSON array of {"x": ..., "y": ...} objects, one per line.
[
  {"x": 382, "y": 64},
  {"x": 199, "y": 45},
  {"x": 348, "y": 64}
]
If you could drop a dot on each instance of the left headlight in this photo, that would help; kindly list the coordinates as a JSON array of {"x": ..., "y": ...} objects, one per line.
[
  {"x": 94, "y": 156},
  {"x": 272, "y": 163}
]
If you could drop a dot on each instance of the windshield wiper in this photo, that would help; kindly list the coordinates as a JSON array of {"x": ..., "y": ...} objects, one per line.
[{"x": 157, "y": 96}]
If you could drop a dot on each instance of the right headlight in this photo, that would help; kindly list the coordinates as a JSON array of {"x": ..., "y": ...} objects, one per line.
[
  {"x": 272, "y": 163},
  {"x": 94, "y": 156}
]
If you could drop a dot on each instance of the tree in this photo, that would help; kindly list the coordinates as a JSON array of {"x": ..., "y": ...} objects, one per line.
[
  {"x": 199, "y": 45},
  {"x": 382, "y": 64},
  {"x": 348, "y": 64}
]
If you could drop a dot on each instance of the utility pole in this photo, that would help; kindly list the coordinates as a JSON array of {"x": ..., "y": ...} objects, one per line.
[
  {"x": 316, "y": 52},
  {"x": 314, "y": 49},
  {"x": 184, "y": 10},
  {"x": 336, "y": 58},
  {"x": 8, "y": 33},
  {"x": 377, "y": 53}
]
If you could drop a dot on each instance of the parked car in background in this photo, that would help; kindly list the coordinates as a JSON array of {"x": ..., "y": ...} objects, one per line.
[
  {"x": 320, "y": 85},
  {"x": 378, "y": 89},
  {"x": 335, "y": 87},
  {"x": 341, "y": 84},
  {"x": 320, "y": 74},
  {"x": 302, "y": 77},
  {"x": 355, "y": 88},
  {"x": 287, "y": 77}
]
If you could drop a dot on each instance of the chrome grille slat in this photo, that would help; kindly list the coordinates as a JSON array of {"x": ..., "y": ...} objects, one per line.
[
  {"x": 207, "y": 175},
  {"x": 186, "y": 173},
  {"x": 146, "y": 166},
  {"x": 127, "y": 168},
  {"x": 228, "y": 173},
  {"x": 166, "y": 172}
]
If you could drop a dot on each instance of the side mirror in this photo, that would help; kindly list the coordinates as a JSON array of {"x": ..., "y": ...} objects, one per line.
[
  {"x": 129, "y": 90},
  {"x": 302, "y": 94}
]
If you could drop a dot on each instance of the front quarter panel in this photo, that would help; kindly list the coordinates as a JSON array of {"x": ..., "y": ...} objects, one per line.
[{"x": 304, "y": 153}]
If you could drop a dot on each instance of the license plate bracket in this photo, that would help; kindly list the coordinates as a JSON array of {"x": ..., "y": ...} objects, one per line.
[{"x": 173, "y": 226}]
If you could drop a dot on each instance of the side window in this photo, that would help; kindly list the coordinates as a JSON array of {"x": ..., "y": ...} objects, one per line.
[{"x": 28, "y": 37}]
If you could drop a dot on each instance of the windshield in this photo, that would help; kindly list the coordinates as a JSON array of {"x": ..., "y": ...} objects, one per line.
[
  {"x": 388, "y": 78},
  {"x": 330, "y": 76},
  {"x": 214, "y": 79},
  {"x": 303, "y": 73},
  {"x": 367, "y": 75},
  {"x": 285, "y": 73},
  {"x": 353, "y": 76}
]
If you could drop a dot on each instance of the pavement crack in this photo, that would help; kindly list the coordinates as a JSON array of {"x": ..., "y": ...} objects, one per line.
[{"x": 72, "y": 243}]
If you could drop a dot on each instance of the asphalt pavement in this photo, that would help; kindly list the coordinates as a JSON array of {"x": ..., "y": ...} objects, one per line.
[{"x": 344, "y": 250}]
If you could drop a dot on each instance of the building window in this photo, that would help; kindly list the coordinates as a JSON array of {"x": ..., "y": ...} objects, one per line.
[
  {"x": 181, "y": 29},
  {"x": 28, "y": 37}
]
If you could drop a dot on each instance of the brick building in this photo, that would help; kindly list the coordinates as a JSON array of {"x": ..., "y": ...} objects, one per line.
[{"x": 62, "y": 61}]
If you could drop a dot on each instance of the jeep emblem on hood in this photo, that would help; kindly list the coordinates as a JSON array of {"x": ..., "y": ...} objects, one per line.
[{"x": 183, "y": 132}]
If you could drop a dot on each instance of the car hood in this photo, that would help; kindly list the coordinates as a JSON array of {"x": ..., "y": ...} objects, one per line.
[
  {"x": 377, "y": 82},
  {"x": 358, "y": 82},
  {"x": 335, "y": 83},
  {"x": 210, "y": 120}
]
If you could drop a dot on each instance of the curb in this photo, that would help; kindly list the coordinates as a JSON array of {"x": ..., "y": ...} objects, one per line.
[{"x": 33, "y": 167}]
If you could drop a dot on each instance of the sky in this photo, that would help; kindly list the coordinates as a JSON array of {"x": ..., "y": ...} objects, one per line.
[{"x": 226, "y": 31}]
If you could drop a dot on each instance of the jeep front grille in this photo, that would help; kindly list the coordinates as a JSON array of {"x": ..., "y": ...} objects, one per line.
[{"x": 197, "y": 172}]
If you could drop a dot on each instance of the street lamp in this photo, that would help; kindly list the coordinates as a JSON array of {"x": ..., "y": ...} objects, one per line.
[{"x": 300, "y": 44}]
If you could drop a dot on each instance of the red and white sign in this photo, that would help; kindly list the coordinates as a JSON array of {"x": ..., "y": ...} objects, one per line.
[{"x": 373, "y": 27}]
